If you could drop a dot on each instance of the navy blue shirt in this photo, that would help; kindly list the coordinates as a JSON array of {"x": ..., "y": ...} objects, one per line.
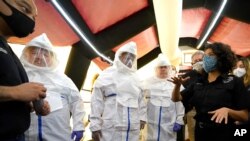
[
  {"x": 193, "y": 76},
  {"x": 14, "y": 115},
  {"x": 225, "y": 91}
]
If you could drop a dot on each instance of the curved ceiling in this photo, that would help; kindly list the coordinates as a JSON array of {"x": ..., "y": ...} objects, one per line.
[
  {"x": 100, "y": 15},
  {"x": 109, "y": 24}
]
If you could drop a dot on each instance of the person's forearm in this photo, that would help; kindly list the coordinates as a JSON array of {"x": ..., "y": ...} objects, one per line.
[
  {"x": 142, "y": 107},
  {"x": 241, "y": 115},
  {"x": 5, "y": 94},
  {"x": 97, "y": 109},
  {"x": 78, "y": 114},
  {"x": 176, "y": 96}
]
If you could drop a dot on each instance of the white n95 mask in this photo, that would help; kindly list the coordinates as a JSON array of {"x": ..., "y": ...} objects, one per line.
[
  {"x": 239, "y": 72},
  {"x": 198, "y": 66}
]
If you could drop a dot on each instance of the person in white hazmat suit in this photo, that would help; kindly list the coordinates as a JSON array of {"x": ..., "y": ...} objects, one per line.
[
  {"x": 40, "y": 62},
  {"x": 164, "y": 117},
  {"x": 118, "y": 110}
]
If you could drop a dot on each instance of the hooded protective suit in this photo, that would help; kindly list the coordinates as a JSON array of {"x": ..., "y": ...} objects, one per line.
[
  {"x": 162, "y": 112},
  {"x": 62, "y": 94},
  {"x": 117, "y": 104}
]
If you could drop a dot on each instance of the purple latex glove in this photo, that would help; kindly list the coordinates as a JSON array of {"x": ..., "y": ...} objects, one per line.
[
  {"x": 77, "y": 135},
  {"x": 177, "y": 127}
]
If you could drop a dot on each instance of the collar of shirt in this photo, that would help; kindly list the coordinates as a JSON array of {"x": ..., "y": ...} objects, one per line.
[{"x": 203, "y": 79}]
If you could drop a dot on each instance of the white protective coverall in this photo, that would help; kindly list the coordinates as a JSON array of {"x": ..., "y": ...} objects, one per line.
[
  {"x": 62, "y": 95},
  {"x": 117, "y": 103},
  {"x": 162, "y": 112}
]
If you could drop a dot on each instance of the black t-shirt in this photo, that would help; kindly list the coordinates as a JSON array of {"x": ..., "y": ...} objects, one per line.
[
  {"x": 193, "y": 76},
  {"x": 14, "y": 115},
  {"x": 225, "y": 91}
]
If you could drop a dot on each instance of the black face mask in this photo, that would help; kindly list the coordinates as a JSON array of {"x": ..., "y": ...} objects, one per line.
[{"x": 20, "y": 24}]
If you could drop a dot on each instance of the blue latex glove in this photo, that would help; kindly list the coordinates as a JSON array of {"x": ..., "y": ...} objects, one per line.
[
  {"x": 77, "y": 135},
  {"x": 177, "y": 127}
]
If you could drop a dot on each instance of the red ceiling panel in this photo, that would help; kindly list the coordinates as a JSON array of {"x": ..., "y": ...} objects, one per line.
[
  {"x": 145, "y": 41},
  {"x": 234, "y": 33},
  {"x": 194, "y": 21},
  {"x": 100, "y": 14}
]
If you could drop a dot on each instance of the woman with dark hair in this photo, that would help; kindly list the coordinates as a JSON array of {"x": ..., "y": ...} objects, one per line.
[{"x": 219, "y": 99}]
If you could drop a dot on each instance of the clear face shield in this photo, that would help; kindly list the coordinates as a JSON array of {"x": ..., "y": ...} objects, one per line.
[
  {"x": 127, "y": 59},
  {"x": 39, "y": 57}
]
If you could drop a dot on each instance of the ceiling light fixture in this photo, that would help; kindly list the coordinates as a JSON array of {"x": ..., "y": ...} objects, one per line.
[
  {"x": 222, "y": 6},
  {"x": 77, "y": 29}
]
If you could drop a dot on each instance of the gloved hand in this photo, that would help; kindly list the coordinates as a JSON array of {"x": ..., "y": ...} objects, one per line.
[
  {"x": 41, "y": 107},
  {"x": 77, "y": 135},
  {"x": 177, "y": 127},
  {"x": 96, "y": 135}
]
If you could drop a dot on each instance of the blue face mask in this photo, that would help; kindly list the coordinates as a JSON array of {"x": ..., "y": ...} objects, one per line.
[{"x": 209, "y": 63}]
